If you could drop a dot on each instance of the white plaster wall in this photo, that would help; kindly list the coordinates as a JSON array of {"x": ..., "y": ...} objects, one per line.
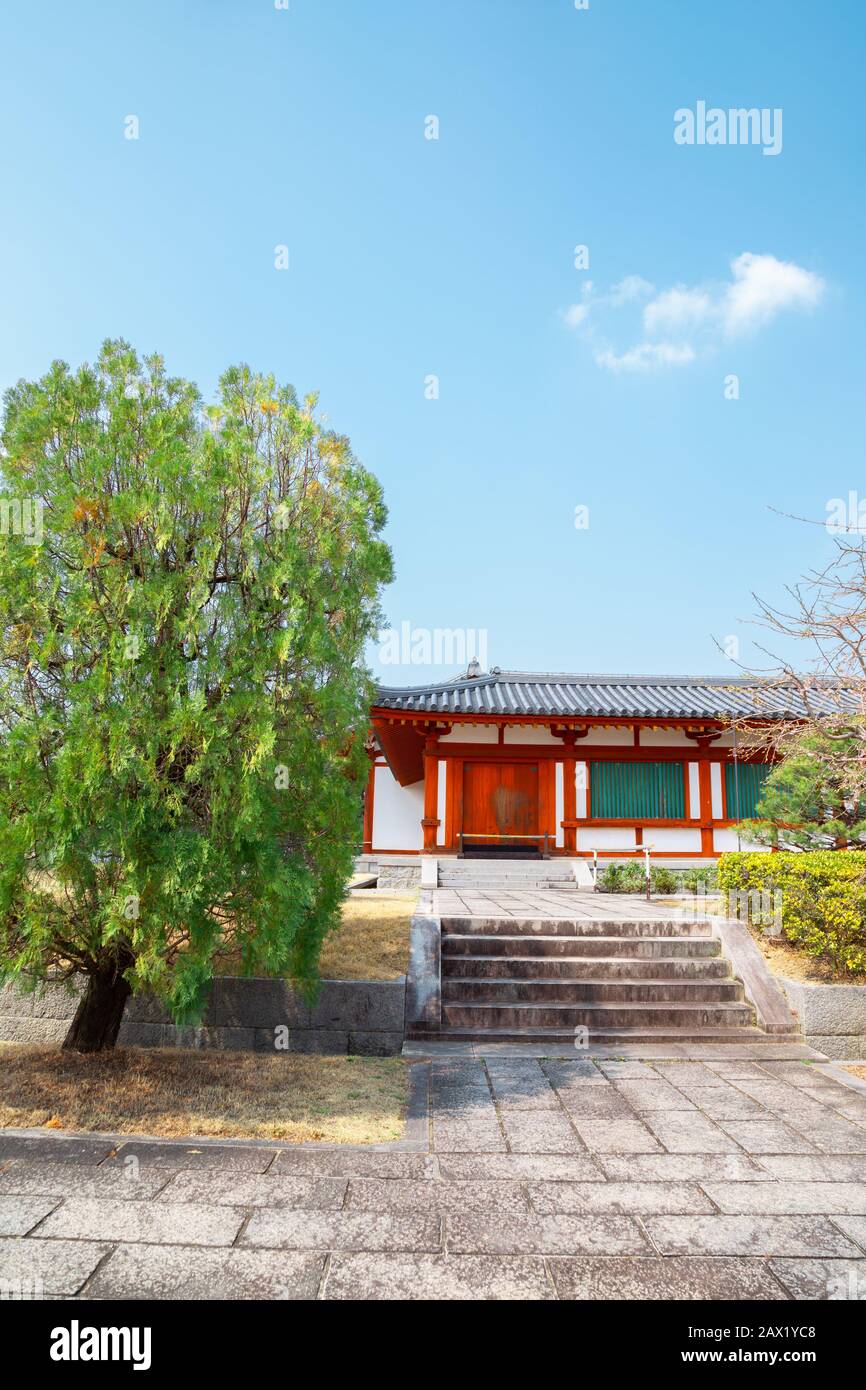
[
  {"x": 615, "y": 737},
  {"x": 665, "y": 738},
  {"x": 581, "y": 782},
  {"x": 606, "y": 837},
  {"x": 716, "y": 789},
  {"x": 669, "y": 840},
  {"x": 560, "y": 805},
  {"x": 694, "y": 791},
  {"x": 472, "y": 733},
  {"x": 397, "y": 812},
  {"x": 725, "y": 842},
  {"x": 441, "y": 793},
  {"x": 531, "y": 733}
]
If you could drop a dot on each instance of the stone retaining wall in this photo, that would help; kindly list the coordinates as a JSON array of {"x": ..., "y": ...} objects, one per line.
[
  {"x": 362, "y": 1017},
  {"x": 833, "y": 1017}
]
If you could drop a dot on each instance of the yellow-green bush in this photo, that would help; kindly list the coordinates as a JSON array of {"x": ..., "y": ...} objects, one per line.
[{"x": 823, "y": 899}]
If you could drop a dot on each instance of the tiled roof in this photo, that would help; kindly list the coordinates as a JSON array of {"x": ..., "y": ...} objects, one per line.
[{"x": 691, "y": 697}]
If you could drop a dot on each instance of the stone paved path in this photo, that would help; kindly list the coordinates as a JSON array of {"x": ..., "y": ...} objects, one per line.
[
  {"x": 569, "y": 904},
  {"x": 531, "y": 1178}
]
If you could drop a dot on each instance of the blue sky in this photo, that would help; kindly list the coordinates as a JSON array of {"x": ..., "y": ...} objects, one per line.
[{"x": 454, "y": 257}]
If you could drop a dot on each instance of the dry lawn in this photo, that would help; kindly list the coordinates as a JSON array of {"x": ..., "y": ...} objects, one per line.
[
  {"x": 858, "y": 1071},
  {"x": 294, "y": 1097},
  {"x": 784, "y": 957},
  {"x": 373, "y": 941}
]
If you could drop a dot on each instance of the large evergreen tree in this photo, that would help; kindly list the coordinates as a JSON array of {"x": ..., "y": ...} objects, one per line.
[{"x": 183, "y": 701}]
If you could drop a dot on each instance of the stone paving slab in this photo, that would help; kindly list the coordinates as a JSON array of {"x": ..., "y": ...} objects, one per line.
[
  {"x": 766, "y": 1137},
  {"x": 171, "y": 1223},
  {"x": 819, "y": 1280},
  {"x": 287, "y": 1229},
  {"x": 544, "y": 1235},
  {"x": 190, "y": 1272},
  {"x": 492, "y": 1198},
  {"x": 817, "y": 1168},
  {"x": 689, "y": 1132},
  {"x": 463, "y": 1277},
  {"x": 18, "y": 1215},
  {"x": 58, "y": 1148},
  {"x": 56, "y": 1268},
  {"x": 518, "y": 1167},
  {"x": 661, "y": 1280},
  {"x": 638, "y": 1198},
  {"x": 749, "y": 1235},
  {"x": 74, "y": 1180},
  {"x": 612, "y": 1176},
  {"x": 225, "y": 1156},
  {"x": 621, "y": 1134},
  {"x": 348, "y": 1162},
  {"x": 255, "y": 1190},
  {"x": 830, "y": 1198},
  {"x": 643, "y": 1095},
  {"x": 678, "y": 1167},
  {"x": 539, "y": 1132},
  {"x": 855, "y": 1227}
]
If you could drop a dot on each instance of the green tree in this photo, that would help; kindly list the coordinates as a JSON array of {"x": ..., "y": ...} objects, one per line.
[
  {"x": 183, "y": 700},
  {"x": 815, "y": 797}
]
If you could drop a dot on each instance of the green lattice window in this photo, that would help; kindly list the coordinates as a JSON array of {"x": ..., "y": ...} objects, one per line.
[
  {"x": 637, "y": 791},
  {"x": 743, "y": 793}
]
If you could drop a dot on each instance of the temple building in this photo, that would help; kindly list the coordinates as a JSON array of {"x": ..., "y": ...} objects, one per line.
[{"x": 509, "y": 762}]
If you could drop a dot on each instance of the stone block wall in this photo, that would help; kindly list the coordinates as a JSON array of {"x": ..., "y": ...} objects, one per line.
[{"x": 361, "y": 1017}]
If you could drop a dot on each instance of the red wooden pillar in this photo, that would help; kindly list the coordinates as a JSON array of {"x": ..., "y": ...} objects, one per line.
[
  {"x": 706, "y": 800},
  {"x": 569, "y": 792},
  {"x": 368, "y": 802},
  {"x": 430, "y": 822}
]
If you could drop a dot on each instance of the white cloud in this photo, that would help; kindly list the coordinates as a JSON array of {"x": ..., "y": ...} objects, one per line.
[
  {"x": 684, "y": 321},
  {"x": 677, "y": 309},
  {"x": 763, "y": 287},
  {"x": 645, "y": 356},
  {"x": 575, "y": 314},
  {"x": 631, "y": 288}
]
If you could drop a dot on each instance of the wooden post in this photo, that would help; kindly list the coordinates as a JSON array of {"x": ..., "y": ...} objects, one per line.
[
  {"x": 569, "y": 792},
  {"x": 430, "y": 822},
  {"x": 368, "y": 802},
  {"x": 706, "y": 798}
]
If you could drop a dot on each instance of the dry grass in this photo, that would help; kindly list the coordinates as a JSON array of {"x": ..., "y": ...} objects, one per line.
[
  {"x": 294, "y": 1097},
  {"x": 783, "y": 957},
  {"x": 858, "y": 1071},
  {"x": 373, "y": 941}
]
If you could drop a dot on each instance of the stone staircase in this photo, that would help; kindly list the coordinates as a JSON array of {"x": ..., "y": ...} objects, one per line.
[
  {"x": 506, "y": 875},
  {"x": 635, "y": 980}
]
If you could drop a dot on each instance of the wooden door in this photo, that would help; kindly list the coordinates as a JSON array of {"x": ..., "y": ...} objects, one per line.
[{"x": 500, "y": 800}]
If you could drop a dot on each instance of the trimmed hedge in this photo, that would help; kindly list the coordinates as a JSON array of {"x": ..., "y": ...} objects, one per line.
[{"x": 823, "y": 899}]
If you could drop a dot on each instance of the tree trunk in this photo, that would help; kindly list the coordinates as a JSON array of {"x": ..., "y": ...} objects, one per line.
[{"x": 97, "y": 1019}]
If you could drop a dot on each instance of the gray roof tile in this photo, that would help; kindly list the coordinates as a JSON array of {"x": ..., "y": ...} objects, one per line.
[{"x": 673, "y": 697}]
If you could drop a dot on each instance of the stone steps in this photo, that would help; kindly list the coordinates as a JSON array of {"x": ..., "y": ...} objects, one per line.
[
  {"x": 575, "y": 927},
  {"x": 502, "y": 945},
  {"x": 588, "y": 993},
  {"x": 523, "y": 967},
  {"x": 607, "y": 1037},
  {"x": 567, "y": 1017}
]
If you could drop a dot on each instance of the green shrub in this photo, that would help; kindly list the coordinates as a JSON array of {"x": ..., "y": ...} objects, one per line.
[
  {"x": 704, "y": 880},
  {"x": 823, "y": 899},
  {"x": 663, "y": 880},
  {"x": 622, "y": 878}
]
